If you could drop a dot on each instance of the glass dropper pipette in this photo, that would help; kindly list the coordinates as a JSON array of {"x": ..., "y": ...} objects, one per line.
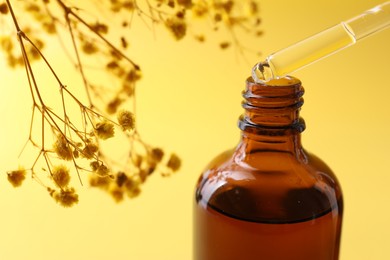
[{"x": 322, "y": 44}]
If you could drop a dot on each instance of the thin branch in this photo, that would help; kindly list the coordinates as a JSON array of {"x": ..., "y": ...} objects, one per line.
[{"x": 115, "y": 49}]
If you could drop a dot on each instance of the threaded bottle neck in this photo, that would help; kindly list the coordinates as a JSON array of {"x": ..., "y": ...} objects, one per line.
[{"x": 272, "y": 109}]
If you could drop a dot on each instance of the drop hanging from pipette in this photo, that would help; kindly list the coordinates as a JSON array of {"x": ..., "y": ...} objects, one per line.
[{"x": 322, "y": 44}]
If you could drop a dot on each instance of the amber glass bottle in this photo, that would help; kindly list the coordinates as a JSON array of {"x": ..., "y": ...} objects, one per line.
[{"x": 268, "y": 199}]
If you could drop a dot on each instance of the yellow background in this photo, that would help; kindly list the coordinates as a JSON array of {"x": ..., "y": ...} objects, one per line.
[{"x": 189, "y": 102}]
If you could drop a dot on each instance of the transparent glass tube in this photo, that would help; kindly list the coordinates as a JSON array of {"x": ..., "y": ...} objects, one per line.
[{"x": 322, "y": 44}]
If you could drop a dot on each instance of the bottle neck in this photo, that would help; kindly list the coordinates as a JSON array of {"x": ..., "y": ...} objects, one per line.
[{"x": 271, "y": 119}]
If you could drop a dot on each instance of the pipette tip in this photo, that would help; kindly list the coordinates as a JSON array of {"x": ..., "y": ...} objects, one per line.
[{"x": 261, "y": 72}]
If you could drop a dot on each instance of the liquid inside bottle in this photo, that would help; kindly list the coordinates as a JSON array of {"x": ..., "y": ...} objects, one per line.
[{"x": 268, "y": 198}]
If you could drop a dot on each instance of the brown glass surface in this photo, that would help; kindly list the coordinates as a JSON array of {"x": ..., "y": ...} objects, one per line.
[{"x": 268, "y": 198}]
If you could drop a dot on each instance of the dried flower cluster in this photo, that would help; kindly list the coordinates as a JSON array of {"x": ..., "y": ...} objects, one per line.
[
  {"x": 17, "y": 177},
  {"x": 65, "y": 147}
]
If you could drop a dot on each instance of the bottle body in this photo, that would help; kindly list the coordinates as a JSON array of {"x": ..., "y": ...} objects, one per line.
[{"x": 268, "y": 198}]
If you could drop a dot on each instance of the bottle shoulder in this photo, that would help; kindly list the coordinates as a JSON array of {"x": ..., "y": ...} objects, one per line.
[{"x": 268, "y": 165}]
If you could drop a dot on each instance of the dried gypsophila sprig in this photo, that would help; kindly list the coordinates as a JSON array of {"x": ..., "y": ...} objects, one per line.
[{"x": 71, "y": 143}]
